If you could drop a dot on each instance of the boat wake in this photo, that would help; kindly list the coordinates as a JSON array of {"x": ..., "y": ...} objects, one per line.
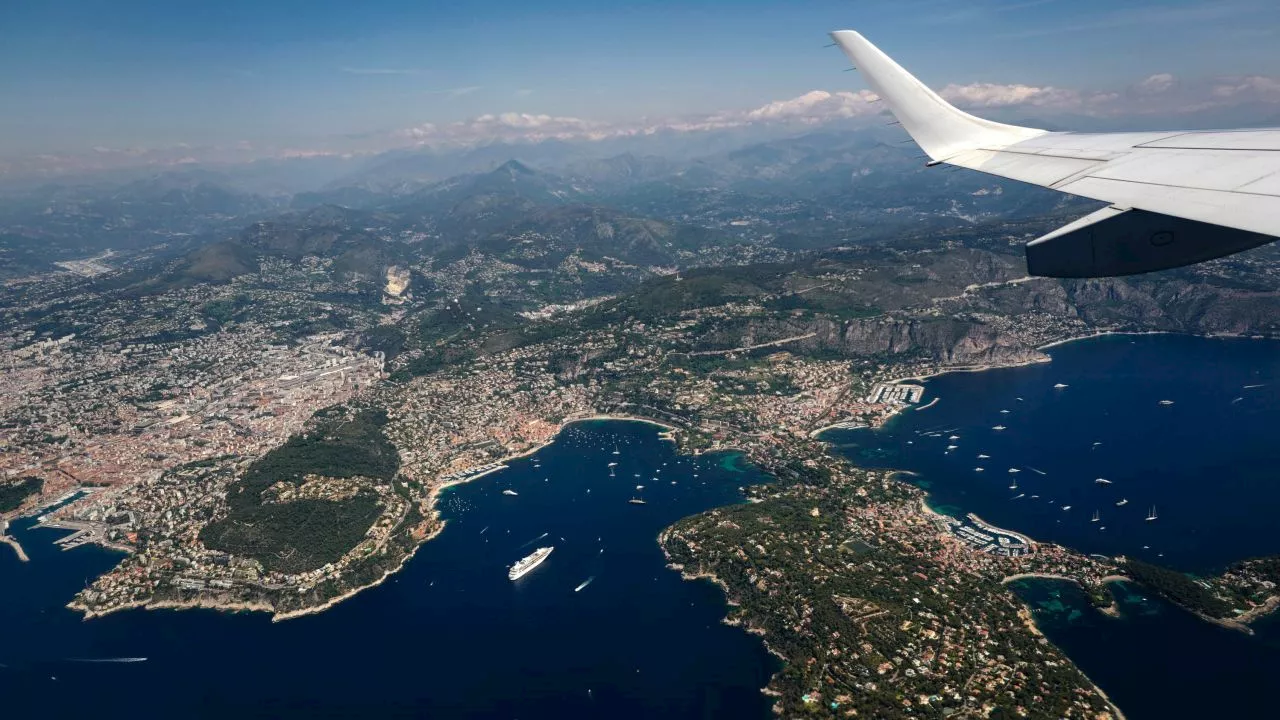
[
  {"x": 536, "y": 539},
  {"x": 108, "y": 660}
]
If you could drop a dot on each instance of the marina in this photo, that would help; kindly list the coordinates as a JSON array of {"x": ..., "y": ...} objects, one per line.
[{"x": 987, "y": 538}]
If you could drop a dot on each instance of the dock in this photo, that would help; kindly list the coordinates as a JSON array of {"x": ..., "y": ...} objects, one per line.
[{"x": 12, "y": 542}]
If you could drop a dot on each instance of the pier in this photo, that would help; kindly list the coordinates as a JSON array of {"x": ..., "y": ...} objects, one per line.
[{"x": 12, "y": 542}]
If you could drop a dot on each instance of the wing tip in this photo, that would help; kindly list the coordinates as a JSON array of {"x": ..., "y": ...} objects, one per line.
[{"x": 844, "y": 38}]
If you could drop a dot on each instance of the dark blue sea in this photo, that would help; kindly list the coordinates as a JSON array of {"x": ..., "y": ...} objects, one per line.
[
  {"x": 1207, "y": 460},
  {"x": 449, "y": 636}
]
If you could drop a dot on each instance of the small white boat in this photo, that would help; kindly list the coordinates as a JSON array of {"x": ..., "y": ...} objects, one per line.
[{"x": 510, "y": 492}]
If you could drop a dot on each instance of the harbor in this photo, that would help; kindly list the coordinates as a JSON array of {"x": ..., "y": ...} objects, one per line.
[
  {"x": 660, "y": 652},
  {"x": 984, "y": 537}
]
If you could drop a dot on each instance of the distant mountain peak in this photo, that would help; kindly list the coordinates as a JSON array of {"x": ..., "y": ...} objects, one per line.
[{"x": 514, "y": 168}]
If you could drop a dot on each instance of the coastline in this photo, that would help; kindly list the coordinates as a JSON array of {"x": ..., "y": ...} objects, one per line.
[
  {"x": 432, "y": 511},
  {"x": 1112, "y": 610},
  {"x": 1107, "y": 333},
  {"x": 1029, "y": 620},
  {"x": 983, "y": 367},
  {"x": 729, "y": 602}
]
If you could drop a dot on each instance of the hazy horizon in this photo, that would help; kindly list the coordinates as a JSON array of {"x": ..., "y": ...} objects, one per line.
[{"x": 112, "y": 84}]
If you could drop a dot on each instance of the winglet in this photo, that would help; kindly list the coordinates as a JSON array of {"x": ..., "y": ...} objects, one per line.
[{"x": 940, "y": 129}]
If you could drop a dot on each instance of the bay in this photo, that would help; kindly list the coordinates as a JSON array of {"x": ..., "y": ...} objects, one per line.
[
  {"x": 449, "y": 636},
  {"x": 1207, "y": 462},
  {"x": 1206, "y": 459},
  {"x": 1157, "y": 661}
]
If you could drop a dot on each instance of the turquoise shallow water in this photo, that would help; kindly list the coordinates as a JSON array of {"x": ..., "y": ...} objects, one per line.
[
  {"x": 1209, "y": 463},
  {"x": 449, "y": 636}
]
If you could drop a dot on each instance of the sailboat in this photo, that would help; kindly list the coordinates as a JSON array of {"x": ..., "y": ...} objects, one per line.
[
  {"x": 1014, "y": 486},
  {"x": 615, "y": 449},
  {"x": 1095, "y": 516},
  {"x": 1152, "y": 515}
]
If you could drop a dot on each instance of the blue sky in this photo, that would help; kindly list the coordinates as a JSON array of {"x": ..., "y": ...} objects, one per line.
[{"x": 75, "y": 74}]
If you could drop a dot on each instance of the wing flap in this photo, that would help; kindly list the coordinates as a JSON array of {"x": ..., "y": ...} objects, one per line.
[
  {"x": 1254, "y": 213},
  {"x": 1224, "y": 170},
  {"x": 1263, "y": 140}
]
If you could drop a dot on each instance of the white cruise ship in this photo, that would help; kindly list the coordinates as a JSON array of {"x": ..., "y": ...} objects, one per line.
[{"x": 525, "y": 564}]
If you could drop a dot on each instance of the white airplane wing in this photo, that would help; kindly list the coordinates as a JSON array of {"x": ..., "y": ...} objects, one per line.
[{"x": 1177, "y": 198}]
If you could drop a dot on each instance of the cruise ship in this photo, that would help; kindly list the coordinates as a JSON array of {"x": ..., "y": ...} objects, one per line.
[{"x": 528, "y": 563}]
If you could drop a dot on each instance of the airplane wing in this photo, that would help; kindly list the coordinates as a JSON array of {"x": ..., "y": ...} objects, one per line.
[{"x": 1177, "y": 198}]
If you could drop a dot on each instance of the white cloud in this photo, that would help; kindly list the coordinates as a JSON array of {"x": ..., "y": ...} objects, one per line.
[
  {"x": 1155, "y": 84},
  {"x": 508, "y": 126},
  {"x": 1161, "y": 93},
  {"x": 813, "y": 107},
  {"x": 818, "y": 105},
  {"x": 1251, "y": 87},
  {"x": 995, "y": 95}
]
